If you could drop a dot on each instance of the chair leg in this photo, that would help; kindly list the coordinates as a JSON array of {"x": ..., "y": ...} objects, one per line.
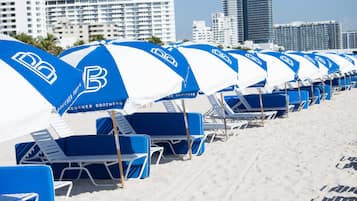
[
  {"x": 85, "y": 170},
  {"x": 143, "y": 167}
]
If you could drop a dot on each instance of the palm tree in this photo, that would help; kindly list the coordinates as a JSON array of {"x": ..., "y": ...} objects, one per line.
[
  {"x": 79, "y": 42},
  {"x": 96, "y": 37},
  {"x": 155, "y": 40},
  {"x": 25, "y": 38},
  {"x": 49, "y": 43}
]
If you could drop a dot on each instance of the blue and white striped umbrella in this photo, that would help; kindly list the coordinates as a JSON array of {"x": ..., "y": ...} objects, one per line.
[
  {"x": 351, "y": 59},
  {"x": 33, "y": 83},
  {"x": 329, "y": 64},
  {"x": 213, "y": 68},
  {"x": 309, "y": 68},
  {"x": 118, "y": 72},
  {"x": 345, "y": 65},
  {"x": 252, "y": 69},
  {"x": 281, "y": 68}
]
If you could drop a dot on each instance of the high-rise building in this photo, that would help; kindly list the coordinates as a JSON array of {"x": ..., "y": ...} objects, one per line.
[
  {"x": 23, "y": 16},
  {"x": 137, "y": 19},
  {"x": 349, "y": 39},
  {"x": 253, "y": 19},
  {"x": 223, "y": 30},
  {"x": 68, "y": 33},
  {"x": 201, "y": 32},
  {"x": 304, "y": 36}
]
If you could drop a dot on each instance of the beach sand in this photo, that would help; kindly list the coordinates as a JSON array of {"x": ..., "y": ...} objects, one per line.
[{"x": 288, "y": 159}]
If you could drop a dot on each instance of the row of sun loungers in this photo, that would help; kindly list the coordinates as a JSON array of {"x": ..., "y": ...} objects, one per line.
[{"x": 142, "y": 134}]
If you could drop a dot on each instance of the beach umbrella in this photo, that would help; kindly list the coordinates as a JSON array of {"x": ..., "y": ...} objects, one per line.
[
  {"x": 116, "y": 73},
  {"x": 326, "y": 62},
  {"x": 290, "y": 66},
  {"x": 329, "y": 67},
  {"x": 213, "y": 68},
  {"x": 252, "y": 69},
  {"x": 309, "y": 68},
  {"x": 281, "y": 68},
  {"x": 344, "y": 64},
  {"x": 351, "y": 59},
  {"x": 252, "y": 73},
  {"x": 33, "y": 84}
]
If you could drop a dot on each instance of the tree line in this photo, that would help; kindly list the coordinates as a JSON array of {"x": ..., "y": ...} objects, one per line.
[{"x": 50, "y": 42}]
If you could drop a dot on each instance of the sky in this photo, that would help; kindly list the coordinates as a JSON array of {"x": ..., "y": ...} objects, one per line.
[{"x": 284, "y": 11}]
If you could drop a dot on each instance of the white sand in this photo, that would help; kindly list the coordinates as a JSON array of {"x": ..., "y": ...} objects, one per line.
[{"x": 289, "y": 159}]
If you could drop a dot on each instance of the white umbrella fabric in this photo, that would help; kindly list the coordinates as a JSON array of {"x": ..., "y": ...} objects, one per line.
[{"x": 33, "y": 84}]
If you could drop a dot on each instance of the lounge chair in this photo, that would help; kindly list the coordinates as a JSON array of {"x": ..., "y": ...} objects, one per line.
[
  {"x": 26, "y": 182},
  {"x": 212, "y": 127},
  {"x": 63, "y": 130},
  {"x": 298, "y": 100},
  {"x": 218, "y": 112},
  {"x": 125, "y": 128},
  {"x": 53, "y": 154},
  {"x": 19, "y": 197},
  {"x": 251, "y": 103},
  {"x": 165, "y": 129}
]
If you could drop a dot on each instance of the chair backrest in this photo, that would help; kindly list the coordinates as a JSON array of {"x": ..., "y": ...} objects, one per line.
[
  {"x": 217, "y": 106},
  {"x": 48, "y": 145},
  {"x": 243, "y": 100},
  {"x": 60, "y": 126},
  {"x": 123, "y": 124},
  {"x": 172, "y": 106},
  {"x": 169, "y": 106}
]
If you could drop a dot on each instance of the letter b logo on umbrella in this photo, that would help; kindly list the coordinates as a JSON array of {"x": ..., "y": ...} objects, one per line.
[{"x": 94, "y": 78}]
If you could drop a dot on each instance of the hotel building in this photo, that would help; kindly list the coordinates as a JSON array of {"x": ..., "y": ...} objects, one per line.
[
  {"x": 304, "y": 36},
  {"x": 136, "y": 19},
  {"x": 23, "y": 16},
  {"x": 253, "y": 19}
]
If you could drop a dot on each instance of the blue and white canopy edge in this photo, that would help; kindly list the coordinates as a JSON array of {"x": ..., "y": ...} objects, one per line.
[
  {"x": 121, "y": 72},
  {"x": 308, "y": 70},
  {"x": 352, "y": 60},
  {"x": 280, "y": 69},
  {"x": 33, "y": 83},
  {"x": 345, "y": 66},
  {"x": 213, "y": 68},
  {"x": 326, "y": 63},
  {"x": 252, "y": 70}
]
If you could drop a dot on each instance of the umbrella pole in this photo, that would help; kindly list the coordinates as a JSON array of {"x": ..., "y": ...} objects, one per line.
[
  {"x": 261, "y": 105},
  {"x": 331, "y": 91},
  {"x": 186, "y": 129},
  {"x": 323, "y": 90},
  {"x": 117, "y": 145},
  {"x": 312, "y": 93},
  {"x": 224, "y": 117},
  {"x": 287, "y": 99},
  {"x": 299, "y": 92}
]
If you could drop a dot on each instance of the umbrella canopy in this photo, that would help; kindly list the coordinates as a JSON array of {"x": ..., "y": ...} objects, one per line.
[
  {"x": 33, "y": 84},
  {"x": 115, "y": 72},
  {"x": 281, "y": 68},
  {"x": 326, "y": 62},
  {"x": 213, "y": 68},
  {"x": 345, "y": 65},
  {"x": 351, "y": 59},
  {"x": 309, "y": 68},
  {"x": 252, "y": 69}
]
